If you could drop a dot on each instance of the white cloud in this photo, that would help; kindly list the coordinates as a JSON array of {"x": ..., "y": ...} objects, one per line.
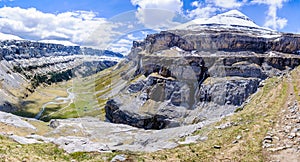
[
  {"x": 210, "y": 7},
  {"x": 157, "y": 13},
  {"x": 78, "y": 27},
  {"x": 201, "y": 11},
  {"x": 122, "y": 50},
  {"x": 131, "y": 37},
  {"x": 228, "y": 4},
  {"x": 272, "y": 20}
]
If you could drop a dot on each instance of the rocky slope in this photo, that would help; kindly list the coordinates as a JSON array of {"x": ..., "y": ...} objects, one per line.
[
  {"x": 26, "y": 64},
  {"x": 182, "y": 77}
]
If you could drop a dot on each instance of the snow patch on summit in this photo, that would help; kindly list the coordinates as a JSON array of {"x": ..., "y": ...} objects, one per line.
[{"x": 233, "y": 19}]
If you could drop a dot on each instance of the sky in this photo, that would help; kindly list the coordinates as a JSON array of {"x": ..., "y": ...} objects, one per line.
[{"x": 101, "y": 23}]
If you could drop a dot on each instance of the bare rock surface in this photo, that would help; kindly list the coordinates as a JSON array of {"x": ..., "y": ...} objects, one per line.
[
  {"x": 14, "y": 120},
  {"x": 24, "y": 140},
  {"x": 94, "y": 135}
]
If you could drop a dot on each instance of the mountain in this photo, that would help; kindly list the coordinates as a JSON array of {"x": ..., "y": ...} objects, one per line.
[
  {"x": 233, "y": 19},
  {"x": 200, "y": 73}
]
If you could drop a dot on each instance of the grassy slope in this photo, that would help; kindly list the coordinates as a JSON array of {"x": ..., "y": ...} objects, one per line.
[{"x": 33, "y": 103}]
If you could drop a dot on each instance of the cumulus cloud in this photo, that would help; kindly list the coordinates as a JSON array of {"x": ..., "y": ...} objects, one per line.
[
  {"x": 228, "y": 4},
  {"x": 201, "y": 10},
  {"x": 210, "y": 7},
  {"x": 157, "y": 14},
  {"x": 272, "y": 20},
  {"x": 80, "y": 27}
]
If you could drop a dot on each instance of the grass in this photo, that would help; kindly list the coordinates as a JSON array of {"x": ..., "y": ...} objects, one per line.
[
  {"x": 12, "y": 151},
  {"x": 30, "y": 106}
]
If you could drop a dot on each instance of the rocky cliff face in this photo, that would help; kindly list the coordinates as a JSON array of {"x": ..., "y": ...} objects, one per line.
[
  {"x": 25, "y": 65},
  {"x": 230, "y": 41},
  {"x": 187, "y": 76}
]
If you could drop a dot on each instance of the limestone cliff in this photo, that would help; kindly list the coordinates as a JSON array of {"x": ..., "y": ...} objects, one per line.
[{"x": 201, "y": 74}]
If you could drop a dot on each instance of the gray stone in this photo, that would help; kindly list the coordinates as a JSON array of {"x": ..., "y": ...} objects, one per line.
[
  {"x": 119, "y": 158},
  {"x": 23, "y": 140},
  {"x": 203, "y": 138},
  {"x": 224, "y": 126},
  {"x": 14, "y": 120},
  {"x": 190, "y": 139},
  {"x": 54, "y": 123},
  {"x": 235, "y": 141},
  {"x": 217, "y": 147},
  {"x": 238, "y": 137},
  {"x": 268, "y": 138}
]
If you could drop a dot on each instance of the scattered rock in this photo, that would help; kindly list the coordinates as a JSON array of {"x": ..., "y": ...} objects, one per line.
[
  {"x": 268, "y": 138},
  {"x": 112, "y": 137},
  {"x": 224, "y": 126},
  {"x": 119, "y": 158},
  {"x": 23, "y": 140},
  {"x": 18, "y": 146},
  {"x": 203, "y": 138},
  {"x": 54, "y": 123},
  {"x": 292, "y": 135},
  {"x": 235, "y": 141},
  {"x": 278, "y": 148},
  {"x": 217, "y": 147},
  {"x": 190, "y": 139}
]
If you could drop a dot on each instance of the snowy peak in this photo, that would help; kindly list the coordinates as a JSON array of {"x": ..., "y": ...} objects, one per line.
[
  {"x": 235, "y": 14},
  {"x": 233, "y": 19}
]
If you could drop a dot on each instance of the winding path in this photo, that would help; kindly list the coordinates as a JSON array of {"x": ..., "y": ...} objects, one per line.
[{"x": 57, "y": 101}]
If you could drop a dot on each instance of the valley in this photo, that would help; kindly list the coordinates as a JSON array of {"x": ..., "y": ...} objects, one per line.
[{"x": 206, "y": 90}]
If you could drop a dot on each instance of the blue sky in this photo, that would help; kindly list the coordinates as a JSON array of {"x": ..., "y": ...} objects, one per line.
[{"x": 82, "y": 21}]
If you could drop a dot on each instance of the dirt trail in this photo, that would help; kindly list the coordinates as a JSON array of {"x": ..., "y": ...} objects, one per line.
[{"x": 282, "y": 142}]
